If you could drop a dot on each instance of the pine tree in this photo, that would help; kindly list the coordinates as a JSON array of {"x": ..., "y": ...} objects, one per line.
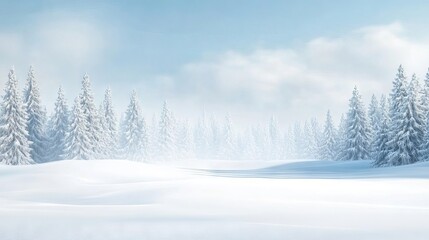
[
  {"x": 134, "y": 133},
  {"x": 36, "y": 119},
  {"x": 59, "y": 128},
  {"x": 227, "y": 147},
  {"x": 396, "y": 100},
  {"x": 273, "y": 130},
  {"x": 183, "y": 144},
  {"x": 14, "y": 143},
  {"x": 328, "y": 149},
  {"x": 201, "y": 139},
  {"x": 409, "y": 134},
  {"x": 166, "y": 141},
  {"x": 357, "y": 142},
  {"x": 381, "y": 147},
  {"x": 318, "y": 137},
  {"x": 298, "y": 141},
  {"x": 89, "y": 111},
  {"x": 78, "y": 145},
  {"x": 215, "y": 136},
  {"x": 109, "y": 123},
  {"x": 289, "y": 144},
  {"x": 260, "y": 142},
  {"x": 341, "y": 139},
  {"x": 374, "y": 123}
]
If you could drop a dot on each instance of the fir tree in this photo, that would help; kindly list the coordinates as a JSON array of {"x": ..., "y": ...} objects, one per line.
[
  {"x": 341, "y": 139},
  {"x": 227, "y": 148},
  {"x": 134, "y": 133},
  {"x": 328, "y": 149},
  {"x": 374, "y": 122},
  {"x": 357, "y": 142},
  {"x": 109, "y": 123},
  {"x": 78, "y": 145},
  {"x": 59, "y": 128},
  {"x": 200, "y": 138},
  {"x": 273, "y": 130},
  {"x": 183, "y": 144},
  {"x": 166, "y": 141},
  {"x": 381, "y": 147},
  {"x": 14, "y": 143},
  {"x": 298, "y": 141},
  {"x": 89, "y": 111},
  {"x": 36, "y": 119},
  {"x": 409, "y": 134}
]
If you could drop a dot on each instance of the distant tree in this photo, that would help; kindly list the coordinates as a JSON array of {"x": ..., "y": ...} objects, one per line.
[
  {"x": 59, "y": 128},
  {"x": 328, "y": 149},
  {"x": 184, "y": 148},
  {"x": 374, "y": 120},
  {"x": 109, "y": 123},
  {"x": 201, "y": 141},
  {"x": 341, "y": 139},
  {"x": 227, "y": 147},
  {"x": 78, "y": 144},
  {"x": 273, "y": 130},
  {"x": 166, "y": 135},
  {"x": 14, "y": 143},
  {"x": 134, "y": 133},
  {"x": 357, "y": 141},
  {"x": 298, "y": 141},
  {"x": 215, "y": 137}
]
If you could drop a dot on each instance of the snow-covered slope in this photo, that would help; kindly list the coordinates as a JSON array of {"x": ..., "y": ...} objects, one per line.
[{"x": 114, "y": 199}]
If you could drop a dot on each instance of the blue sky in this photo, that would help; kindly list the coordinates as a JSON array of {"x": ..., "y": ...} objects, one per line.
[{"x": 251, "y": 59}]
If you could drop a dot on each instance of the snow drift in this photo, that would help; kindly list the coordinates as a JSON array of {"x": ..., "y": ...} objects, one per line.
[{"x": 116, "y": 199}]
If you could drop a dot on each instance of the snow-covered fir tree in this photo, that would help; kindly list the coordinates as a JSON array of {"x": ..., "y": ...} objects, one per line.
[
  {"x": 424, "y": 99},
  {"x": 183, "y": 141},
  {"x": 298, "y": 141},
  {"x": 374, "y": 122},
  {"x": 289, "y": 144},
  {"x": 260, "y": 142},
  {"x": 215, "y": 136},
  {"x": 318, "y": 137},
  {"x": 341, "y": 138},
  {"x": 14, "y": 143},
  {"x": 357, "y": 141},
  {"x": 93, "y": 126},
  {"x": 59, "y": 123},
  {"x": 109, "y": 123},
  {"x": 227, "y": 142},
  {"x": 36, "y": 119},
  {"x": 201, "y": 141},
  {"x": 78, "y": 144},
  {"x": 133, "y": 131},
  {"x": 381, "y": 147},
  {"x": 166, "y": 134},
  {"x": 396, "y": 108},
  {"x": 328, "y": 148},
  {"x": 410, "y": 129},
  {"x": 309, "y": 142},
  {"x": 274, "y": 138}
]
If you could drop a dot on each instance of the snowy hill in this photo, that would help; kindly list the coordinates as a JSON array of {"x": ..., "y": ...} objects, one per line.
[{"x": 116, "y": 199}]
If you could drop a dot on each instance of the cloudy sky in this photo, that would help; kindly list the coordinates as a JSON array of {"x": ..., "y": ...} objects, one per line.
[{"x": 250, "y": 59}]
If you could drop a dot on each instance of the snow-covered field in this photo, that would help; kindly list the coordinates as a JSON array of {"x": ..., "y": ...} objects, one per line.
[{"x": 116, "y": 199}]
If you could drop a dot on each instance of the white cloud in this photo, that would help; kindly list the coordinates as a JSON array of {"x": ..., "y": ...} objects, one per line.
[
  {"x": 61, "y": 46},
  {"x": 303, "y": 82}
]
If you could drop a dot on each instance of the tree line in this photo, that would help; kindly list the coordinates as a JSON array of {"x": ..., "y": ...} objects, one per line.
[{"x": 393, "y": 131}]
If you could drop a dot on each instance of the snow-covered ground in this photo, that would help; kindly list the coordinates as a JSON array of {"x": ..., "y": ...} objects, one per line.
[{"x": 116, "y": 199}]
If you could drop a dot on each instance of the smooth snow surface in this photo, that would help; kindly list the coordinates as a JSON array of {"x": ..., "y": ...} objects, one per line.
[{"x": 116, "y": 199}]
